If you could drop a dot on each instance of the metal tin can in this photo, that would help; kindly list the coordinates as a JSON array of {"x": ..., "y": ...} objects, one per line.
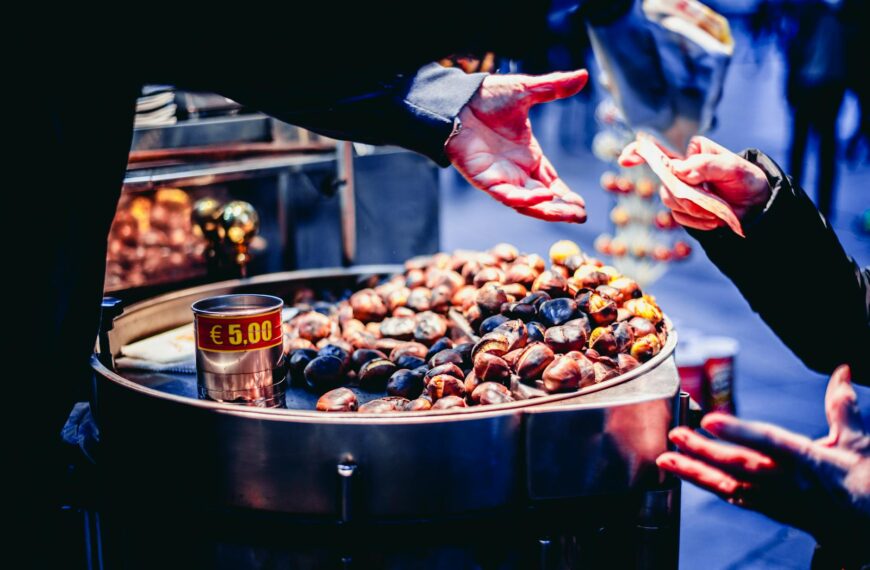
[{"x": 239, "y": 349}]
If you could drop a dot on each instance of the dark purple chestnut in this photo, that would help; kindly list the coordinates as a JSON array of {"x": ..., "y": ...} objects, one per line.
[
  {"x": 405, "y": 383},
  {"x": 374, "y": 374},
  {"x": 448, "y": 402},
  {"x": 363, "y": 355},
  {"x": 536, "y": 331},
  {"x": 524, "y": 311},
  {"x": 338, "y": 400},
  {"x": 557, "y": 311},
  {"x": 489, "y": 324},
  {"x": 533, "y": 361},
  {"x": 297, "y": 362},
  {"x": 447, "y": 368},
  {"x": 336, "y": 351},
  {"x": 442, "y": 343},
  {"x": 324, "y": 373},
  {"x": 536, "y": 298},
  {"x": 406, "y": 361}
]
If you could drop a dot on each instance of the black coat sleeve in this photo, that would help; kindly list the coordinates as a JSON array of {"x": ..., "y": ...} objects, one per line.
[
  {"x": 414, "y": 110},
  {"x": 794, "y": 273}
]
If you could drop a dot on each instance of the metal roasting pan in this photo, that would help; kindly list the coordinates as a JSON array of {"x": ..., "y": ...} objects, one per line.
[{"x": 409, "y": 466}]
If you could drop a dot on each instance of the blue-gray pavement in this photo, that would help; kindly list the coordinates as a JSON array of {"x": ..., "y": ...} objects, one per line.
[{"x": 772, "y": 384}]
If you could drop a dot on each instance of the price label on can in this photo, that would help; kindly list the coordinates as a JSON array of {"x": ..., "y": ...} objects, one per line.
[{"x": 234, "y": 333}]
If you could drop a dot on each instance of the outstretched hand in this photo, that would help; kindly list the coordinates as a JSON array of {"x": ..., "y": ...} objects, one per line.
[
  {"x": 497, "y": 152},
  {"x": 821, "y": 486}
]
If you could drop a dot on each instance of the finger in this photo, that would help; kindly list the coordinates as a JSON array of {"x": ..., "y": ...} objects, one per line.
[
  {"x": 547, "y": 175},
  {"x": 699, "y": 473},
  {"x": 552, "y": 86},
  {"x": 738, "y": 461},
  {"x": 629, "y": 156},
  {"x": 703, "y": 145},
  {"x": 516, "y": 196},
  {"x": 841, "y": 408},
  {"x": 662, "y": 147},
  {"x": 685, "y": 207},
  {"x": 556, "y": 212},
  {"x": 700, "y": 168},
  {"x": 774, "y": 441},
  {"x": 703, "y": 224}
]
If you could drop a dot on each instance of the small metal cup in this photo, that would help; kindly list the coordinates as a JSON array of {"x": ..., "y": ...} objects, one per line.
[{"x": 239, "y": 350}]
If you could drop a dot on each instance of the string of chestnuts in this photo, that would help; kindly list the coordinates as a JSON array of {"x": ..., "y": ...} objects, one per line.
[{"x": 475, "y": 328}]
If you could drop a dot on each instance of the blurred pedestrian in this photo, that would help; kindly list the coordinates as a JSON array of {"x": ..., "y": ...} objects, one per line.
[{"x": 815, "y": 86}]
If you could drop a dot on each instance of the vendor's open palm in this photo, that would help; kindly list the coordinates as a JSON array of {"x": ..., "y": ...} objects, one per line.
[{"x": 497, "y": 152}]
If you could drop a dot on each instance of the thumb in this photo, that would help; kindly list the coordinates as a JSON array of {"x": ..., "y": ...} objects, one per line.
[
  {"x": 841, "y": 408},
  {"x": 552, "y": 86},
  {"x": 700, "y": 168}
]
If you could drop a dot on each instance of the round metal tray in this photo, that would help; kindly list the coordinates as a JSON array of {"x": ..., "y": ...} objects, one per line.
[{"x": 602, "y": 439}]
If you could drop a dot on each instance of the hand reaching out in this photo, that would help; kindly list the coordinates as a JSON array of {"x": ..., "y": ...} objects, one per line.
[
  {"x": 497, "y": 152},
  {"x": 713, "y": 167},
  {"x": 821, "y": 486}
]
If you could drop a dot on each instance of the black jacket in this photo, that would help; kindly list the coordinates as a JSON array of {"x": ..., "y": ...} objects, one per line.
[{"x": 795, "y": 274}]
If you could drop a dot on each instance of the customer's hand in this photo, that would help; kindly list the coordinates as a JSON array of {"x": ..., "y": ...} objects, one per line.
[
  {"x": 740, "y": 183},
  {"x": 821, "y": 486},
  {"x": 497, "y": 152}
]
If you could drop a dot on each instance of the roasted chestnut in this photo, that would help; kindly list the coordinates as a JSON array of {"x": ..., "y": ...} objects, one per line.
[
  {"x": 557, "y": 311},
  {"x": 490, "y": 298},
  {"x": 491, "y": 368},
  {"x": 512, "y": 357},
  {"x": 405, "y": 383},
  {"x": 296, "y": 344},
  {"x": 494, "y": 343},
  {"x": 441, "y": 296},
  {"x": 489, "y": 324},
  {"x": 446, "y": 356},
  {"x": 449, "y": 402},
  {"x": 491, "y": 393},
  {"x": 562, "y": 375},
  {"x": 623, "y": 335},
  {"x": 338, "y": 400},
  {"x": 324, "y": 373},
  {"x": 374, "y": 374},
  {"x": 601, "y": 311},
  {"x": 409, "y": 349},
  {"x": 628, "y": 288},
  {"x": 297, "y": 362},
  {"x": 515, "y": 333},
  {"x": 641, "y": 327},
  {"x": 471, "y": 382},
  {"x": 505, "y": 252},
  {"x": 488, "y": 275},
  {"x": 464, "y": 297},
  {"x": 533, "y": 361},
  {"x": 570, "y": 336},
  {"x": 401, "y": 328},
  {"x": 604, "y": 370},
  {"x": 552, "y": 283},
  {"x": 626, "y": 362},
  {"x": 442, "y": 343},
  {"x": 520, "y": 273},
  {"x": 368, "y": 306},
  {"x": 646, "y": 347},
  {"x": 430, "y": 327},
  {"x": 602, "y": 341},
  {"x": 444, "y": 385},
  {"x": 645, "y": 308},
  {"x": 561, "y": 250},
  {"x": 419, "y": 405},
  {"x": 313, "y": 326},
  {"x": 522, "y": 391},
  {"x": 464, "y": 350},
  {"x": 415, "y": 278},
  {"x": 419, "y": 300}
]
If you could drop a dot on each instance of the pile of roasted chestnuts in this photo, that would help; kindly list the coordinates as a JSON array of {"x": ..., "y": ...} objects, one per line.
[{"x": 474, "y": 328}]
